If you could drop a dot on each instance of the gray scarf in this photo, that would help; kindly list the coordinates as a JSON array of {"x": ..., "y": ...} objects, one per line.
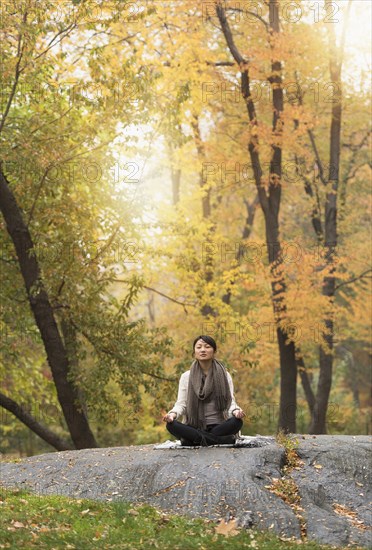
[{"x": 216, "y": 386}]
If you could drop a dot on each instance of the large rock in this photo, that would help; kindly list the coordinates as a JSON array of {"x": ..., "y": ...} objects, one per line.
[
  {"x": 335, "y": 488},
  {"x": 215, "y": 482}
]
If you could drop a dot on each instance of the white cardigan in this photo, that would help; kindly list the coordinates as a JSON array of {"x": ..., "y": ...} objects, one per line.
[{"x": 180, "y": 405}]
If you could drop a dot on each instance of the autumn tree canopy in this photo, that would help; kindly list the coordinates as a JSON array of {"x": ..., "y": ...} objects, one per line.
[{"x": 170, "y": 169}]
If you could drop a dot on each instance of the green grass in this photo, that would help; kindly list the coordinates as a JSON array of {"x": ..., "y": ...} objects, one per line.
[{"x": 55, "y": 522}]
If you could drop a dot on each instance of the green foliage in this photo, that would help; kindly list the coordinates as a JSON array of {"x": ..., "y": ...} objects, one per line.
[
  {"x": 119, "y": 84},
  {"x": 32, "y": 521},
  {"x": 290, "y": 444},
  {"x": 78, "y": 213}
]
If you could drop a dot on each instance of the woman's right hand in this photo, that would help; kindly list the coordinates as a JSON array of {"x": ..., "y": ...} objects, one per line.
[{"x": 169, "y": 417}]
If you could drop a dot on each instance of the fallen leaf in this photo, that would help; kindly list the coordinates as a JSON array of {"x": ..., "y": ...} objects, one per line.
[
  {"x": 17, "y": 524},
  {"x": 318, "y": 466},
  {"x": 228, "y": 529},
  {"x": 342, "y": 510}
]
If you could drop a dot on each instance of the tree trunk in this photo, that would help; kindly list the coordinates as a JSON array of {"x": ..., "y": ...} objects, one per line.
[
  {"x": 251, "y": 211},
  {"x": 29, "y": 421},
  {"x": 318, "y": 422},
  {"x": 270, "y": 204},
  {"x": 351, "y": 373},
  {"x": 306, "y": 383},
  {"x": 76, "y": 420}
]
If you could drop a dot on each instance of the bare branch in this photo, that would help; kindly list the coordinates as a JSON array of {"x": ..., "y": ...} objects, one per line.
[
  {"x": 245, "y": 90},
  {"x": 358, "y": 278},
  {"x": 358, "y": 146},
  {"x": 256, "y": 15},
  {"x": 352, "y": 172},
  {"x": 183, "y": 304},
  {"x": 20, "y": 50},
  {"x": 53, "y": 121},
  {"x": 221, "y": 63},
  {"x": 311, "y": 135},
  {"x": 62, "y": 34},
  {"x": 72, "y": 157},
  {"x": 241, "y": 61},
  {"x": 42, "y": 181},
  {"x": 317, "y": 156}
]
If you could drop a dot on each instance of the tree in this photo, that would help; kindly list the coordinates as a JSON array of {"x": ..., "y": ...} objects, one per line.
[
  {"x": 65, "y": 257},
  {"x": 269, "y": 198},
  {"x": 329, "y": 232},
  {"x": 264, "y": 48}
]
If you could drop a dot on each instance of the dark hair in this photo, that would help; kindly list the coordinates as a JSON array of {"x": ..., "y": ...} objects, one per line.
[{"x": 207, "y": 339}]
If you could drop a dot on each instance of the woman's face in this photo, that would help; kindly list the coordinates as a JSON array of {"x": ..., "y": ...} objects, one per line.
[{"x": 203, "y": 351}]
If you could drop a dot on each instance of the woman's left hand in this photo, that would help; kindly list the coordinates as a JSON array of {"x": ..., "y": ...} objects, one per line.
[{"x": 239, "y": 413}]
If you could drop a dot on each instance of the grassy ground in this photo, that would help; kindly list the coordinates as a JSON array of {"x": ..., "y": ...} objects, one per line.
[{"x": 54, "y": 522}]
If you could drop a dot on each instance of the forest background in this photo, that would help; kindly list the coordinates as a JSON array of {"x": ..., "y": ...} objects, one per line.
[{"x": 176, "y": 168}]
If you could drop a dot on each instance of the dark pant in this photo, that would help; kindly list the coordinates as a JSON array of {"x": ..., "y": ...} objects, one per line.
[{"x": 216, "y": 434}]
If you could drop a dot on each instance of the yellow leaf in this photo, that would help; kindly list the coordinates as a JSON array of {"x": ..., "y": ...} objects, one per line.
[{"x": 228, "y": 529}]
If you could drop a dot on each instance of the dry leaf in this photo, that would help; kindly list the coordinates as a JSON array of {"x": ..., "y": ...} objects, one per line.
[
  {"x": 17, "y": 524},
  {"x": 352, "y": 516},
  {"x": 318, "y": 466},
  {"x": 228, "y": 529},
  {"x": 84, "y": 512}
]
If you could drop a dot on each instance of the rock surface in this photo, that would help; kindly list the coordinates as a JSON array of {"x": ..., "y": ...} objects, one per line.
[{"x": 333, "y": 482}]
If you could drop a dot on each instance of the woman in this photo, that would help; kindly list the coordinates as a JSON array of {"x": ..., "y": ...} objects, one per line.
[{"x": 206, "y": 399}]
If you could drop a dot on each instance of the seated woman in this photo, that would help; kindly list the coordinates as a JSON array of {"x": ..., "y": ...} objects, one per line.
[{"x": 206, "y": 399}]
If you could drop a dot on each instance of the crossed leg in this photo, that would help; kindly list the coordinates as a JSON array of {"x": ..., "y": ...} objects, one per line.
[
  {"x": 189, "y": 435},
  {"x": 231, "y": 426},
  {"x": 219, "y": 434}
]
